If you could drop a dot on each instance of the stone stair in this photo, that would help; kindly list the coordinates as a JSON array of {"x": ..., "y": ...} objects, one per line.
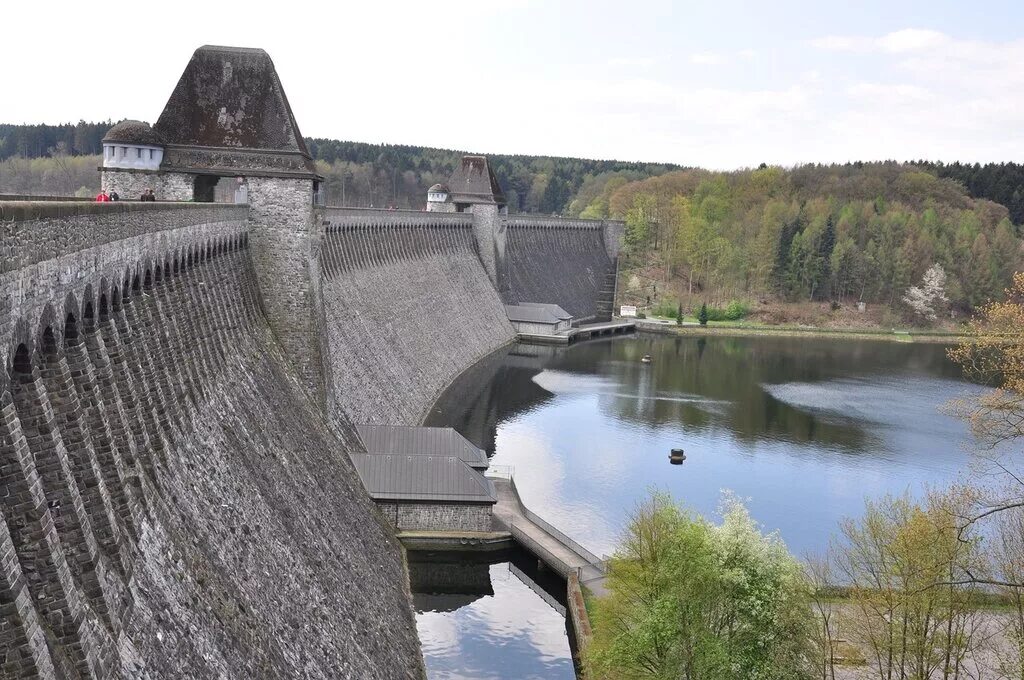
[{"x": 606, "y": 296}]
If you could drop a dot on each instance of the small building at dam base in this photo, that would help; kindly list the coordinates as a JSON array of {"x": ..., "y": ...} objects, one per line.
[{"x": 425, "y": 478}]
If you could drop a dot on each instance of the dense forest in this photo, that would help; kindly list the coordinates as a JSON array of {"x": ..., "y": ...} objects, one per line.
[
  {"x": 381, "y": 175},
  {"x": 840, "y": 233},
  {"x": 813, "y": 233}
]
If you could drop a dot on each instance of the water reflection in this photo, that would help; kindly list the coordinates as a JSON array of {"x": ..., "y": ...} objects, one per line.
[
  {"x": 804, "y": 428},
  {"x": 489, "y": 616}
]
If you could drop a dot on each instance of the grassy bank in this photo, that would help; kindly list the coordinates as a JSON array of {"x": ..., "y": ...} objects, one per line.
[{"x": 740, "y": 328}]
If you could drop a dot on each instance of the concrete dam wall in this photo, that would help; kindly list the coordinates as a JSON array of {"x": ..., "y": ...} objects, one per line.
[
  {"x": 567, "y": 262},
  {"x": 407, "y": 305},
  {"x": 165, "y": 507}
]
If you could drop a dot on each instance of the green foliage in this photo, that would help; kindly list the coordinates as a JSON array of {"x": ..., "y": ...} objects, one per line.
[
  {"x": 689, "y": 599},
  {"x": 734, "y": 311},
  {"x": 818, "y": 233},
  {"x": 59, "y": 175},
  {"x": 679, "y": 315},
  {"x": 395, "y": 174},
  {"x": 702, "y": 314},
  {"x": 37, "y": 141},
  {"x": 639, "y": 221},
  {"x": 666, "y": 308},
  {"x": 908, "y": 570},
  {"x": 384, "y": 175}
]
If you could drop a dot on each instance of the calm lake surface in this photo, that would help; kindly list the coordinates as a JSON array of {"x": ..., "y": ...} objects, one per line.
[
  {"x": 490, "y": 617},
  {"x": 802, "y": 429}
]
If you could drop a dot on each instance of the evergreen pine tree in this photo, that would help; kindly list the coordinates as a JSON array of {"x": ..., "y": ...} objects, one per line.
[
  {"x": 703, "y": 316},
  {"x": 679, "y": 315}
]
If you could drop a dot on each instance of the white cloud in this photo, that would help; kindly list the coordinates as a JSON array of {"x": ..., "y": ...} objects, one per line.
[
  {"x": 746, "y": 54},
  {"x": 707, "y": 59},
  {"x": 905, "y": 40},
  {"x": 891, "y": 93},
  {"x": 841, "y": 43},
  {"x": 631, "y": 61},
  {"x": 911, "y": 39}
]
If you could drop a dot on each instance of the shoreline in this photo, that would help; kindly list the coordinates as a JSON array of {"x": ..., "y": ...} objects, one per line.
[{"x": 921, "y": 336}]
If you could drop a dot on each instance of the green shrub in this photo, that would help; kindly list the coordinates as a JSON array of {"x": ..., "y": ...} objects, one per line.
[
  {"x": 690, "y": 599},
  {"x": 734, "y": 311},
  {"x": 665, "y": 308}
]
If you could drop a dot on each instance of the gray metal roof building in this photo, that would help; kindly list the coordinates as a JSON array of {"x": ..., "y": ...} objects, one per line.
[
  {"x": 421, "y": 441},
  {"x": 537, "y": 313},
  {"x": 551, "y": 307},
  {"x": 438, "y": 479}
]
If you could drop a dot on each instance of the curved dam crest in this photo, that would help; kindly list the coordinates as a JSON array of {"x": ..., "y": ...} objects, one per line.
[
  {"x": 184, "y": 380},
  {"x": 166, "y": 507},
  {"x": 408, "y": 306}
]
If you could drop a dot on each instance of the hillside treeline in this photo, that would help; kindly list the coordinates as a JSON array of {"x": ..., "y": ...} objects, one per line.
[
  {"x": 394, "y": 174},
  {"x": 38, "y": 141},
  {"x": 399, "y": 175},
  {"x": 358, "y": 174},
  {"x": 857, "y": 232}
]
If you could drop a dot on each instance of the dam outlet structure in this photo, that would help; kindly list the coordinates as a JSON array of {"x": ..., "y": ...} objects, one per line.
[{"x": 184, "y": 379}]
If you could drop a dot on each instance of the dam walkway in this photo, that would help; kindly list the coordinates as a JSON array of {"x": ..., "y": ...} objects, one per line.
[
  {"x": 584, "y": 331},
  {"x": 559, "y": 552}
]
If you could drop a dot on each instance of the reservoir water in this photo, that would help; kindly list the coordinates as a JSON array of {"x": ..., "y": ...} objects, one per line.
[{"x": 802, "y": 429}]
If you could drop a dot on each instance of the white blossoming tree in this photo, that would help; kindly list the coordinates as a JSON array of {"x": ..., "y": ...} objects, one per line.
[{"x": 927, "y": 299}]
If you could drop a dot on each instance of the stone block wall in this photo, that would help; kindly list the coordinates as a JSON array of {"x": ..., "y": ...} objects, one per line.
[
  {"x": 285, "y": 251},
  {"x": 489, "y": 230},
  {"x": 167, "y": 186},
  {"x": 408, "y": 516},
  {"x": 407, "y": 307},
  {"x": 561, "y": 261},
  {"x": 174, "y": 505}
]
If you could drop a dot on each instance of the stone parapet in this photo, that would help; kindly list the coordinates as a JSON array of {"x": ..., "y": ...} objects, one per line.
[
  {"x": 36, "y": 231},
  {"x": 364, "y": 217}
]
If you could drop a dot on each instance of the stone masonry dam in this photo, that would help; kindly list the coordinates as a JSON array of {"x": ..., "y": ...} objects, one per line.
[{"x": 183, "y": 380}]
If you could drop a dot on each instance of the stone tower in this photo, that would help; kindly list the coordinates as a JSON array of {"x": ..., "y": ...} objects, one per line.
[
  {"x": 473, "y": 188},
  {"x": 228, "y": 118}
]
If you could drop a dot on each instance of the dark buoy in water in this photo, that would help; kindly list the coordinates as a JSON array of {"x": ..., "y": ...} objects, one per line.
[
  {"x": 676, "y": 457},
  {"x": 645, "y": 359}
]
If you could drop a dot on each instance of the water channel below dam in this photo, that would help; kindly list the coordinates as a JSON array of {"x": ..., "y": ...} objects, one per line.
[{"x": 802, "y": 429}]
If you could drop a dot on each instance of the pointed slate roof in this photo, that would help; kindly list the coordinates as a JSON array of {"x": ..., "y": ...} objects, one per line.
[
  {"x": 229, "y": 114},
  {"x": 474, "y": 182}
]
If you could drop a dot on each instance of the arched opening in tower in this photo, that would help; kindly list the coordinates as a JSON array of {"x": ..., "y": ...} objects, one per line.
[
  {"x": 204, "y": 188},
  {"x": 213, "y": 189}
]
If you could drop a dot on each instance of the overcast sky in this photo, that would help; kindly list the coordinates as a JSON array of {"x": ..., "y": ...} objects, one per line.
[{"x": 717, "y": 84}]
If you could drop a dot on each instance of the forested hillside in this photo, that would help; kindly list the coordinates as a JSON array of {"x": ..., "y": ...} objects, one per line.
[
  {"x": 814, "y": 233},
  {"x": 359, "y": 174},
  {"x": 856, "y": 232}
]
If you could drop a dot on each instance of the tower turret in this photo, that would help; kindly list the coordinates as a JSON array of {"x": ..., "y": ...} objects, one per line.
[
  {"x": 132, "y": 145},
  {"x": 438, "y": 199}
]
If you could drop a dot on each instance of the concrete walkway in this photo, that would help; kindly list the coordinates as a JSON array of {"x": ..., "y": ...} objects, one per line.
[{"x": 555, "y": 552}]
